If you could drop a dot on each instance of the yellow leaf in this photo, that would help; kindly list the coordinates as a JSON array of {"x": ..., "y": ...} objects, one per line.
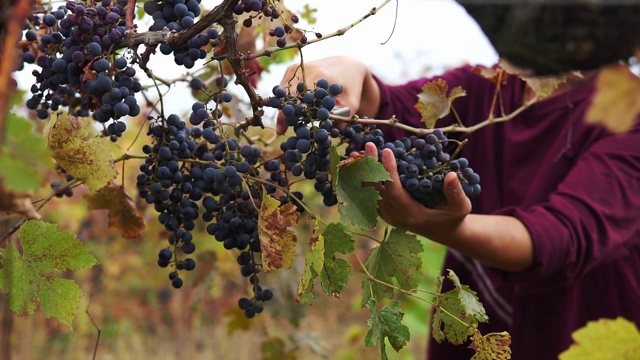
[
  {"x": 434, "y": 103},
  {"x": 543, "y": 86},
  {"x": 605, "y": 339},
  {"x": 88, "y": 160},
  {"x": 615, "y": 103},
  {"x": 122, "y": 210},
  {"x": 277, "y": 242}
]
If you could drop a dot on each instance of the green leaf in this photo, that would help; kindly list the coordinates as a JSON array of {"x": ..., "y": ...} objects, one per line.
[
  {"x": 278, "y": 57},
  {"x": 30, "y": 278},
  {"x": 386, "y": 323},
  {"x": 396, "y": 260},
  {"x": 321, "y": 261},
  {"x": 336, "y": 271},
  {"x": 357, "y": 203},
  {"x": 605, "y": 339},
  {"x": 492, "y": 346},
  {"x": 25, "y": 157},
  {"x": 313, "y": 266},
  {"x": 467, "y": 311},
  {"x": 309, "y": 14}
]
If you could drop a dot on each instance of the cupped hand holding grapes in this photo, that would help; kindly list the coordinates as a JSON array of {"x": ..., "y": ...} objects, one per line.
[
  {"x": 499, "y": 241},
  {"x": 360, "y": 92},
  {"x": 399, "y": 209}
]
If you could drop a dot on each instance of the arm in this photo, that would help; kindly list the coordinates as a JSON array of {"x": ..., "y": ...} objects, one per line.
[{"x": 499, "y": 241}]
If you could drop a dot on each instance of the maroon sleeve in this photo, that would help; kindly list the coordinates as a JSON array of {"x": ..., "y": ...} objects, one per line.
[
  {"x": 400, "y": 100},
  {"x": 591, "y": 218}
]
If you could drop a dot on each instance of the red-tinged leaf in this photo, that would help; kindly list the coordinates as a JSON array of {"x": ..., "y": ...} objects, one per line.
[
  {"x": 615, "y": 103},
  {"x": 434, "y": 102},
  {"x": 492, "y": 346},
  {"x": 122, "y": 210},
  {"x": 278, "y": 243}
]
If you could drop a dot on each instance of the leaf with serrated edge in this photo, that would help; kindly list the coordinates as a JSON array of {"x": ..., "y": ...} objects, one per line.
[
  {"x": 434, "y": 103},
  {"x": 492, "y": 346},
  {"x": 386, "y": 323},
  {"x": 605, "y": 339},
  {"x": 615, "y": 103},
  {"x": 277, "y": 242},
  {"x": 31, "y": 279},
  {"x": 123, "y": 214},
  {"x": 461, "y": 302},
  {"x": 336, "y": 271},
  {"x": 313, "y": 266},
  {"x": 88, "y": 160},
  {"x": 357, "y": 204},
  {"x": 394, "y": 260}
]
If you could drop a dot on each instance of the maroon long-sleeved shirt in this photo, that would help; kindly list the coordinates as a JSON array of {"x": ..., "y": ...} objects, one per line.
[{"x": 576, "y": 188}]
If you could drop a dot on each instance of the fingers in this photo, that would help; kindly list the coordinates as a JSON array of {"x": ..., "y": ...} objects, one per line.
[
  {"x": 454, "y": 194},
  {"x": 389, "y": 163}
]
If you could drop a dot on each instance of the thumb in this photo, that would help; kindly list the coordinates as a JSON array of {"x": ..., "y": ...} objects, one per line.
[{"x": 454, "y": 193}]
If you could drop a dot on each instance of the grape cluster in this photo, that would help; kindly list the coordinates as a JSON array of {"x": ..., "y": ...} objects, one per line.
[
  {"x": 306, "y": 153},
  {"x": 422, "y": 163},
  {"x": 263, "y": 8},
  {"x": 177, "y": 15},
  {"x": 77, "y": 68},
  {"x": 198, "y": 172}
]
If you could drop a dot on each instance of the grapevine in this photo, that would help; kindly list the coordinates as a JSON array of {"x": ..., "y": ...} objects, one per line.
[{"x": 202, "y": 169}]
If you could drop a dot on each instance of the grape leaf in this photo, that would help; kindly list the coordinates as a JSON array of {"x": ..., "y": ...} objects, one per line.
[
  {"x": 395, "y": 259},
  {"x": 492, "y": 346},
  {"x": 615, "y": 103},
  {"x": 605, "y": 339},
  {"x": 386, "y": 323},
  {"x": 314, "y": 263},
  {"x": 357, "y": 203},
  {"x": 122, "y": 210},
  {"x": 542, "y": 86},
  {"x": 278, "y": 243},
  {"x": 88, "y": 160},
  {"x": 30, "y": 279},
  {"x": 336, "y": 271},
  {"x": 321, "y": 261},
  {"x": 434, "y": 103},
  {"x": 25, "y": 157},
  {"x": 276, "y": 349},
  {"x": 461, "y": 302},
  {"x": 17, "y": 203}
]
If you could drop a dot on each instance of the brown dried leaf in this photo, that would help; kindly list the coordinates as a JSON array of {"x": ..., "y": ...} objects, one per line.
[
  {"x": 615, "y": 103},
  {"x": 543, "y": 86},
  {"x": 278, "y": 243},
  {"x": 434, "y": 103},
  {"x": 491, "y": 74},
  {"x": 17, "y": 203},
  {"x": 348, "y": 161},
  {"x": 492, "y": 346},
  {"x": 122, "y": 210}
]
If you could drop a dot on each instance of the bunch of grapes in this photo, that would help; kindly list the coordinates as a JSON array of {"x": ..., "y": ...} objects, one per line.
[
  {"x": 199, "y": 172},
  {"x": 422, "y": 163},
  {"x": 72, "y": 46},
  {"x": 306, "y": 153}
]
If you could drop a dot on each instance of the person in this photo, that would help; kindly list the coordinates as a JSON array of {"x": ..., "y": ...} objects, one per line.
[{"x": 553, "y": 241}]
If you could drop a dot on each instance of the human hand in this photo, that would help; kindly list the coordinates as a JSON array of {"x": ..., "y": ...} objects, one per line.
[
  {"x": 360, "y": 93},
  {"x": 399, "y": 209}
]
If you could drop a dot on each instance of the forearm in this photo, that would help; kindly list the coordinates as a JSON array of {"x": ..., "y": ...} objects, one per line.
[
  {"x": 370, "y": 97},
  {"x": 498, "y": 241}
]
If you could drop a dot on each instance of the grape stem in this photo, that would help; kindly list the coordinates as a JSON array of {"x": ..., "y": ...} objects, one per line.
[{"x": 455, "y": 128}]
